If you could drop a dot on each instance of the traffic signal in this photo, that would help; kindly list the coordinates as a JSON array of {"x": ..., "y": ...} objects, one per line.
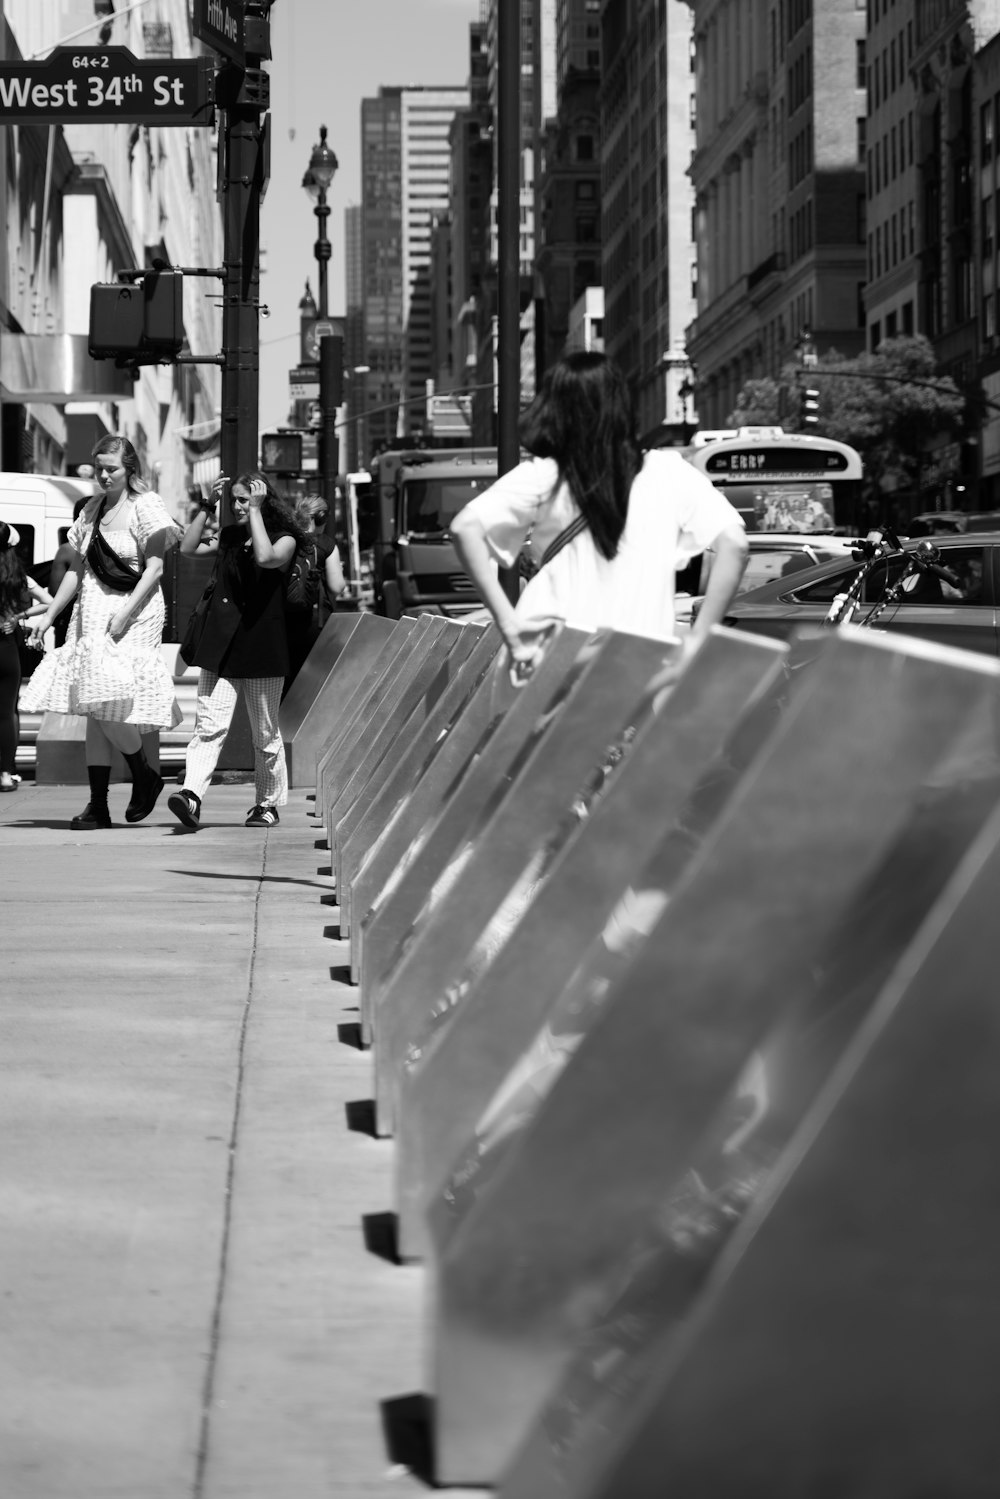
[
  {"x": 810, "y": 408},
  {"x": 281, "y": 452},
  {"x": 140, "y": 322}
]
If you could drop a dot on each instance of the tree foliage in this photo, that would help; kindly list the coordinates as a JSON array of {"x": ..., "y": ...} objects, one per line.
[{"x": 892, "y": 405}]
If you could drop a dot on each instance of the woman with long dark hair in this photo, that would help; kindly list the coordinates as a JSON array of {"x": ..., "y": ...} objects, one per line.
[
  {"x": 604, "y": 526},
  {"x": 243, "y": 648},
  {"x": 20, "y": 596},
  {"x": 110, "y": 669}
]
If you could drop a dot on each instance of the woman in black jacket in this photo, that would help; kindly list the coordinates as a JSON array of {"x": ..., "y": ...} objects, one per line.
[{"x": 243, "y": 648}]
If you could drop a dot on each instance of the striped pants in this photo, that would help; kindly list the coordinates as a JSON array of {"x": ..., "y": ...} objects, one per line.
[{"x": 216, "y": 705}]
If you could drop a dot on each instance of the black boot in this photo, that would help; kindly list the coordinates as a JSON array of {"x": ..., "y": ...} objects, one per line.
[
  {"x": 146, "y": 786},
  {"x": 95, "y": 814}
]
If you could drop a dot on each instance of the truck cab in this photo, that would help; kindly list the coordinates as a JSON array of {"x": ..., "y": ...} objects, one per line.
[
  {"x": 40, "y": 507},
  {"x": 405, "y": 519}
]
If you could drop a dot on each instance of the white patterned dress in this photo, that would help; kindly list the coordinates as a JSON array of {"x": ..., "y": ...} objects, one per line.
[{"x": 117, "y": 681}]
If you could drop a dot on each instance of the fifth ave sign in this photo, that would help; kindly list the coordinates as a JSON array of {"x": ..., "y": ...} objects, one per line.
[
  {"x": 107, "y": 84},
  {"x": 220, "y": 24}
]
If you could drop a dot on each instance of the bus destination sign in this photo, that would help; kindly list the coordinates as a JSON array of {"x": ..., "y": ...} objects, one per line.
[
  {"x": 749, "y": 463},
  {"x": 106, "y": 84}
]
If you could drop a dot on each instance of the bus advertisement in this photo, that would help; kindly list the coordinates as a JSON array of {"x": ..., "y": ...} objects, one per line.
[{"x": 783, "y": 481}]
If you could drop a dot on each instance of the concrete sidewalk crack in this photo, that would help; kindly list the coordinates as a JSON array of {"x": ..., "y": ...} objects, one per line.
[{"x": 208, "y": 1387}]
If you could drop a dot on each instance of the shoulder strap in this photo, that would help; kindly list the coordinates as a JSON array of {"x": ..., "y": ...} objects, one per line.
[
  {"x": 112, "y": 570},
  {"x": 568, "y": 534}
]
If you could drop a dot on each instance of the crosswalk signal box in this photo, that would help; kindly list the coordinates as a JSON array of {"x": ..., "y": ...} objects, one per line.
[{"x": 138, "y": 320}]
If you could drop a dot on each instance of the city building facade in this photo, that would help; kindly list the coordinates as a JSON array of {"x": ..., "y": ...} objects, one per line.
[
  {"x": 647, "y": 140},
  {"x": 83, "y": 201},
  {"x": 779, "y": 178}
]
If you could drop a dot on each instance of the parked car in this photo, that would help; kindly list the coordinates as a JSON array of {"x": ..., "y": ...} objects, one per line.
[
  {"x": 960, "y": 610},
  {"x": 773, "y": 555},
  {"x": 952, "y": 522}
]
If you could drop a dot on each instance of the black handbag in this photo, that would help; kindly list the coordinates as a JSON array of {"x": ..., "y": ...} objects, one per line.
[{"x": 197, "y": 621}]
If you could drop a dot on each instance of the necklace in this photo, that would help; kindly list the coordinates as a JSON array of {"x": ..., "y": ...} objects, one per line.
[{"x": 110, "y": 515}]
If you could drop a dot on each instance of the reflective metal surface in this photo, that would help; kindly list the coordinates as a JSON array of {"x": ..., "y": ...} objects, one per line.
[
  {"x": 534, "y": 800},
  {"x": 360, "y": 702},
  {"x": 402, "y": 711},
  {"x": 509, "y": 1029},
  {"x": 395, "y": 778},
  {"x": 539, "y": 1256},
  {"x": 332, "y": 671},
  {"x": 511, "y": 716},
  {"x": 633, "y": 1354}
]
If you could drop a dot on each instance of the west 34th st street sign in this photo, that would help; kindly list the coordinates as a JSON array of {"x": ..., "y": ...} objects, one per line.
[{"x": 106, "y": 84}]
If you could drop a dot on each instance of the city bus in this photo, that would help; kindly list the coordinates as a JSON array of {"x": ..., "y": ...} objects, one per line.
[{"x": 783, "y": 481}]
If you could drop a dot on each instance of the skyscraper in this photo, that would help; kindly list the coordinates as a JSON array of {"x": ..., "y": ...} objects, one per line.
[{"x": 405, "y": 183}]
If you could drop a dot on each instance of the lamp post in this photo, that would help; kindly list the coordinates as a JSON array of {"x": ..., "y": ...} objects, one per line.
[{"x": 319, "y": 174}]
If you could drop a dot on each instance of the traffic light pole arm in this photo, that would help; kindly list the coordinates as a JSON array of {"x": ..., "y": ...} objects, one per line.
[
  {"x": 360, "y": 416},
  {"x": 827, "y": 374}
]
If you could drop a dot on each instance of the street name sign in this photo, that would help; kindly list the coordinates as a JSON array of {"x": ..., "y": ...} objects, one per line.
[
  {"x": 220, "y": 23},
  {"x": 303, "y": 382},
  {"x": 106, "y": 84}
]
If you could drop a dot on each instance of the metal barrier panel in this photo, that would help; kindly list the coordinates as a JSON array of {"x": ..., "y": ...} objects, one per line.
[
  {"x": 497, "y": 1024},
  {"x": 361, "y": 702},
  {"x": 415, "y": 694},
  {"x": 400, "y": 838},
  {"x": 527, "y": 1269},
  {"x": 537, "y": 796},
  {"x": 426, "y": 645},
  {"x": 846, "y": 1340},
  {"x": 512, "y": 716},
  {"x": 335, "y": 666},
  {"x": 395, "y": 779},
  {"x": 617, "y": 1402},
  {"x": 339, "y": 766}
]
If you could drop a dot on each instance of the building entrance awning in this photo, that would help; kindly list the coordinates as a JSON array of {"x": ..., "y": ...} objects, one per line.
[{"x": 56, "y": 367}]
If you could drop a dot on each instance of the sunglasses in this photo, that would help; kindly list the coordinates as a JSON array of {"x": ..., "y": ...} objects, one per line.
[{"x": 320, "y": 518}]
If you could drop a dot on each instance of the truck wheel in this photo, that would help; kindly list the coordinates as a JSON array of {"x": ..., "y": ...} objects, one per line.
[{"x": 392, "y": 606}]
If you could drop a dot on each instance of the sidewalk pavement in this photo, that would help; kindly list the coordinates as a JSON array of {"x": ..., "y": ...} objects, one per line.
[{"x": 188, "y": 1308}]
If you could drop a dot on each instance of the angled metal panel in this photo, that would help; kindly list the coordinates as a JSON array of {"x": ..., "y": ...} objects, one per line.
[
  {"x": 512, "y": 716},
  {"x": 666, "y": 757},
  {"x": 520, "y": 1277},
  {"x": 338, "y": 663},
  {"x": 398, "y": 774},
  {"x": 652, "y": 1396},
  {"x": 561, "y": 765},
  {"x": 846, "y": 1339}
]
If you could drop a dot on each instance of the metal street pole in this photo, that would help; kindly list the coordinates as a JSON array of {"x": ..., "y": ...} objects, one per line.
[
  {"x": 508, "y": 248},
  {"x": 243, "y": 94}
]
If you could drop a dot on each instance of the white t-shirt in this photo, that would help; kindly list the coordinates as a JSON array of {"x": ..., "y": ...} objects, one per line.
[{"x": 674, "y": 513}]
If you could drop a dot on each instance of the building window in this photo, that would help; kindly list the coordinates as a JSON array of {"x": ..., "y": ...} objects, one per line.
[
  {"x": 861, "y": 72},
  {"x": 989, "y": 226},
  {"x": 585, "y": 148},
  {"x": 989, "y": 316},
  {"x": 876, "y": 336},
  {"x": 862, "y": 133}
]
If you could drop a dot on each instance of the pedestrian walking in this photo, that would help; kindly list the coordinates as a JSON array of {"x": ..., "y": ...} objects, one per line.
[
  {"x": 240, "y": 642},
  {"x": 110, "y": 669},
  {"x": 20, "y": 597},
  {"x": 315, "y": 581},
  {"x": 603, "y": 525}
]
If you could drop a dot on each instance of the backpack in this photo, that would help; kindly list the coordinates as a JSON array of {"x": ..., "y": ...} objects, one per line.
[{"x": 305, "y": 582}]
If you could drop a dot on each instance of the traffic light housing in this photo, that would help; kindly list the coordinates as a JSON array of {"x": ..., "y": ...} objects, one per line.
[
  {"x": 281, "y": 452},
  {"x": 810, "y": 407},
  {"x": 140, "y": 321}
]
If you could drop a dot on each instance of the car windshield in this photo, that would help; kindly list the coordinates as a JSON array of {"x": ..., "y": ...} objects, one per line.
[{"x": 430, "y": 505}]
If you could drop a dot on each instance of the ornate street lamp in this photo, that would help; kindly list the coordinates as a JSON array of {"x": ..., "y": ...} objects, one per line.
[{"x": 319, "y": 174}]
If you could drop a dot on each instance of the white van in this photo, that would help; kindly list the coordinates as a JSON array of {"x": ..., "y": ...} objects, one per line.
[{"x": 40, "y": 508}]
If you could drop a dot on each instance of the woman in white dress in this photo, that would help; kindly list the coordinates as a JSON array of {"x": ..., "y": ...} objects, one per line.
[
  {"x": 605, "y": 525},
  {"x": 110, "y": 668}
]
